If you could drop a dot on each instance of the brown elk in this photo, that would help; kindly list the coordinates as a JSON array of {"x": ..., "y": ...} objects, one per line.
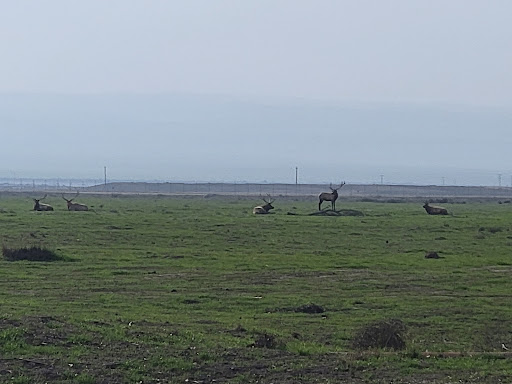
[
  {"x": 42, "y": 206},
  {"x": 329, "y": 196},
  {"x": 263, "y": 209},
  {"x": 75, "y": 206},
  {"x": 434, "y": 210}
]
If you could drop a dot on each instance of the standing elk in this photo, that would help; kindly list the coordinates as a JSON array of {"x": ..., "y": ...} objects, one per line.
[
  {"x": 75, "y": 206},
  {"x": 42, "y": 206},
  {"x": 434, "y": 210},
  {"x": 263, "y": 209},
  {"x": 329, "y": 196}
]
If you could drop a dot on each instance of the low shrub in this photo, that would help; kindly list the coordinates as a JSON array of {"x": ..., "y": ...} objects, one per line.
[{"x": 29, "y": 253}]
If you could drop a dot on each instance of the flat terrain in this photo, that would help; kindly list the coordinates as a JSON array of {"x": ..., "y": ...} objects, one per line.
[{"x": 192, "y": 290}]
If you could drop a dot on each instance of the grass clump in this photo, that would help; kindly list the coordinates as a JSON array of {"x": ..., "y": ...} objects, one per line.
[{"x": 29, "y": 253}]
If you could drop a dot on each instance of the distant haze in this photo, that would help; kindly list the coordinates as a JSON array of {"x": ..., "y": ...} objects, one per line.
[
  {"x": 367, "y": 91},
  {"x": 199, "y": 138}
]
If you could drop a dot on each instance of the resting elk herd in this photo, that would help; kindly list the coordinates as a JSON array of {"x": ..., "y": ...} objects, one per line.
[
  {"x": 258, "y": 210},
  {"x": 38, "y": 206},
  {"x": 332, "y": 197}
]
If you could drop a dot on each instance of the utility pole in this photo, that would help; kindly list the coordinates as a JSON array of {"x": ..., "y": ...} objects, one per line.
[
  {"x": 105, "y": 171},
  {"x": 296, "y": 175}
]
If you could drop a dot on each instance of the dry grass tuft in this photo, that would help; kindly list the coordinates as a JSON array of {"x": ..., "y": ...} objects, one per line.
[{"x": 385, "y": 334}]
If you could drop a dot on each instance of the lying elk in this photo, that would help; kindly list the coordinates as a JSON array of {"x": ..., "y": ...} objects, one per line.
[
  {"x": 329, "y": 196},
  {"x": 434, "y": 210},
  {"x": 75, "y": 206},
  {"x": 41, "y": 206},
  {"x": 263, "y": 209}
]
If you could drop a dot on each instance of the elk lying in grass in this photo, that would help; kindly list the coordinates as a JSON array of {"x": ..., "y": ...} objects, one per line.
[
  {"x": 263, "y": 209},
  {"x": 75, "y": 206},
  {"x": 329, "y": 196},
  {"x": 42, "y": 206},
  {"x": 434, "y": 210}
]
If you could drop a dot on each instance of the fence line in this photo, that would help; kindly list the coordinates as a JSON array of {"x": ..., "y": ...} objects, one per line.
[{"x": 349, "y": 190}]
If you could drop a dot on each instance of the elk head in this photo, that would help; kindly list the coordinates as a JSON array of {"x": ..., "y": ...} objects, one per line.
[
  {"x": 330, "y": 196},
  {"x": 41, "y": 206},
  {"x": 75, "y": 206},
  {"x": 263, "y": 209}
]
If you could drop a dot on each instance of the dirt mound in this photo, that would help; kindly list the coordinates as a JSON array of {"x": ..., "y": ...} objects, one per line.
[{"x": 341, "y": 212}]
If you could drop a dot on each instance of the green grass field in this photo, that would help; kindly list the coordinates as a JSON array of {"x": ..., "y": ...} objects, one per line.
[{"x": 176, "y": 290}]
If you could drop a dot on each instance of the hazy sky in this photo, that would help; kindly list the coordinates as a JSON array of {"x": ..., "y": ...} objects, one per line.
[
  {"x": 436, "y": 52},
  {"x": 396, "y": 50}
]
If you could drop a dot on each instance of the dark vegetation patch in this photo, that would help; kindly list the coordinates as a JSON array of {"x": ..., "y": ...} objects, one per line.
[
  {"x": 432, "y": 255},
  {"x": 168, "y": 256},
  {"x": 490, "y": 229},
  {"x": 385, "y": 334},
  {"x": 191, "y": 301},
  {"x": 30, "y": 253},
  {"x": 239, "y": 331},
  {"x": 115, "y": 227},
  {"x": 309, "y": 308},
  {"x": 266, "y": 340}
]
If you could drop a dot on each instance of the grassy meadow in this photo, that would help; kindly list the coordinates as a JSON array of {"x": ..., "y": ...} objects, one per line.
[{"x": 160, "y": 289}]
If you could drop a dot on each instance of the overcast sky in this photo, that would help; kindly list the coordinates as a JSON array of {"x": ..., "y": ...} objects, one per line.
[{"x": 436, "y": 52}]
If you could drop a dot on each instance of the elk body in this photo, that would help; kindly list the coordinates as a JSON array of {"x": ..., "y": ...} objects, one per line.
[
  {"x": 42, "y": 206},
  {"x": 75, "y": 206},
  {"x": 263, "y": 209},
  {"x": 434, "y": 210},
  {"x": 329, "y": 196}
]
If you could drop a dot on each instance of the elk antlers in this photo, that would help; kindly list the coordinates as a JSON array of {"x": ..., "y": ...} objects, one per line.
[
  {"x": 74, "y": 197},
  {"x": 269, "y": 198},
  {"x": 335, "y": 189}
]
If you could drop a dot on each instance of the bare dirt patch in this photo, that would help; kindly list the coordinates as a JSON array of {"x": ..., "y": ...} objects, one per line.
[{"x": 136, "y": 358}]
